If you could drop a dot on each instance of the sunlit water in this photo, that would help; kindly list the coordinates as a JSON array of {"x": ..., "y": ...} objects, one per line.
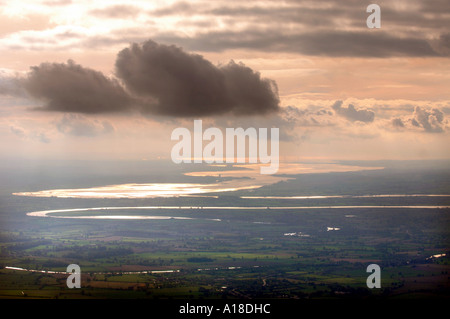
[
  {"x": 241, "y": 177},
  {"x": 124, "y": 272},
  {"x": 151, "y": 190},
  {"x": 47, "y": 213},
  {"x": 222, "y": 184},
  {"x": 345, "y": 196}
]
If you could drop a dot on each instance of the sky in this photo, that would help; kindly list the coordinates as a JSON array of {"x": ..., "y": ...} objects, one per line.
[{"x": 112, "y": 79}]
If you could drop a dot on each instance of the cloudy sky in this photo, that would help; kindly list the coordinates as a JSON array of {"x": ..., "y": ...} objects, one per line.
[{"x": 112, "y": 79}]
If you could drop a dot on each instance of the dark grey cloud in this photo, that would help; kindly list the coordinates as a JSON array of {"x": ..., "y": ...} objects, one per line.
[
  {"x": 157, "y": 80},
  {"x": 248, "y": 92},
  {"x": 431, "y": 120},
  {"x": 172, "y": 82},
  {"x": 69, "y": 87},
  {"x": 352, "y": 114}
]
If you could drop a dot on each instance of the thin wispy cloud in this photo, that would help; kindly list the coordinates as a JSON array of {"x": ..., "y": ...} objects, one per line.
[{"x": 325, "y": 28}]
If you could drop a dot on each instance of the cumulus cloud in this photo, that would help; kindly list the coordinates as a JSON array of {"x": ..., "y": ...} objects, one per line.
[
  {"x": 431, "y": 120},
  {"x": 248, "y": 93},
  {"x": 353, "y": 114},
  {"x": 78, "y": 125},
  {"x": 423, "y": 119},
  {"x": 69, "y": 87},
  {"x": 397, "y": 122},
  {"x": 176, "y": 83},
  {"x": 289, "y": 119},
  {"x": 157, "y": 80}
]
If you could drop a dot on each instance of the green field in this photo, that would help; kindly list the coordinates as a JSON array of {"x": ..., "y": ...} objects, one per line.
[{"x": 234, "y": 258}]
